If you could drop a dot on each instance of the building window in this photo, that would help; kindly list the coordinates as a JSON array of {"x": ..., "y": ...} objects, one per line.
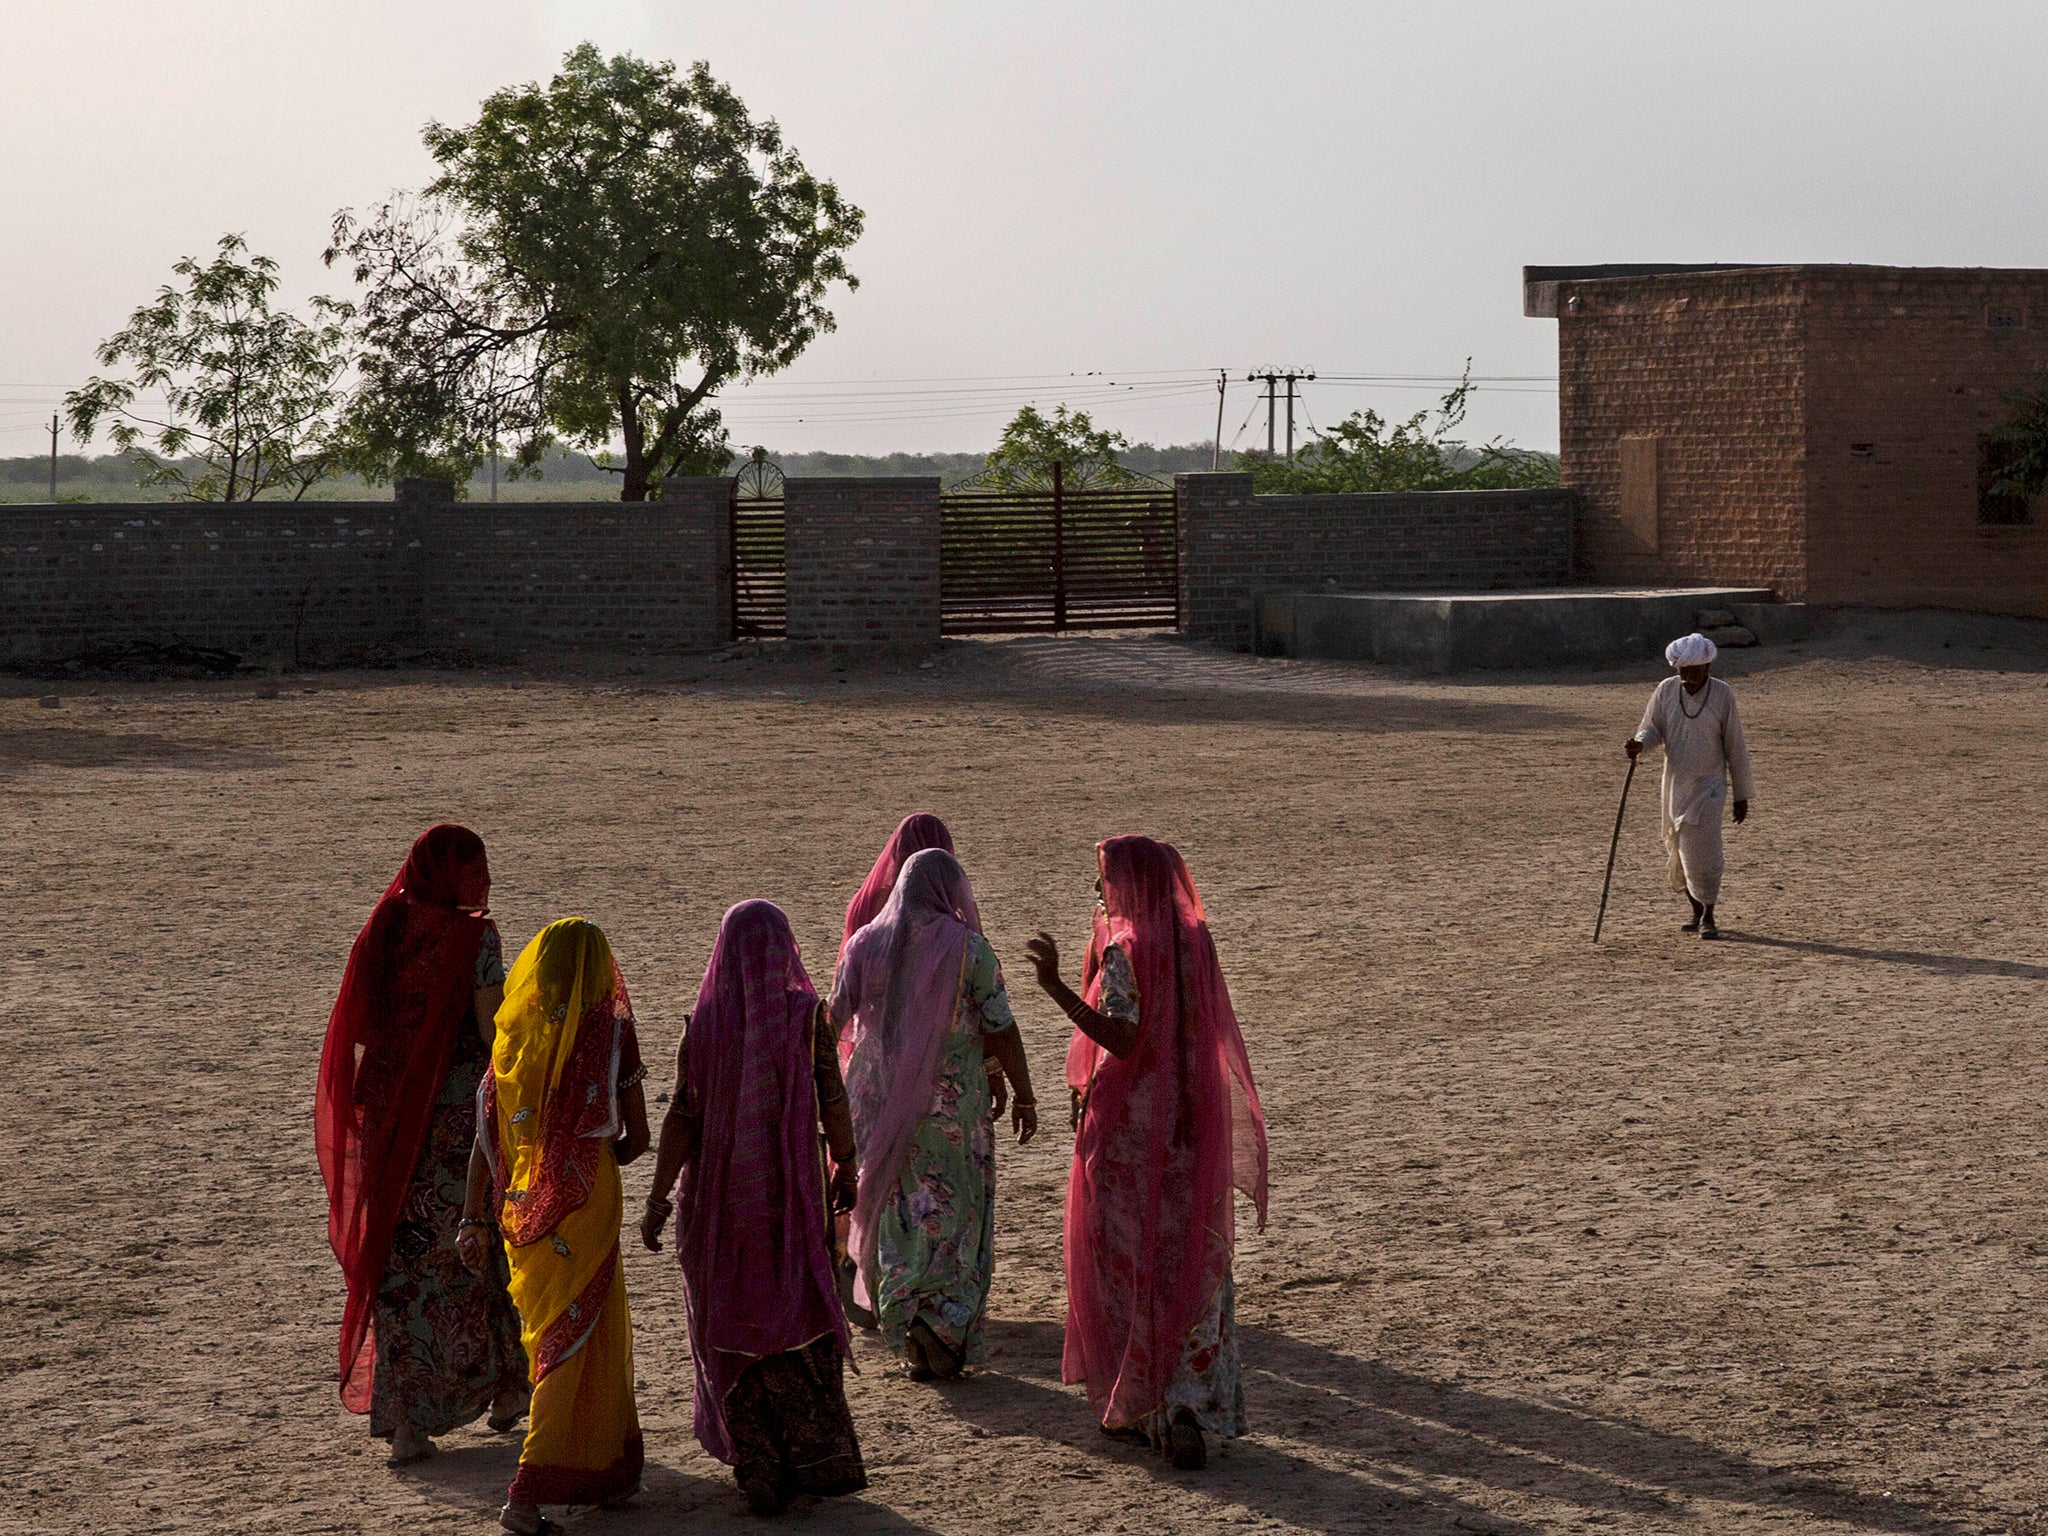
[{"x": 1996, "y": 508}]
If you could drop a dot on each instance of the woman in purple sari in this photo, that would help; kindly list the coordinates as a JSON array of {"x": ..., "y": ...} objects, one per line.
[{"x": 757, "y": 1075}]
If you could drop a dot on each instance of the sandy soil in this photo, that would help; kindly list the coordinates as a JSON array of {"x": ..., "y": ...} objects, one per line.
[{"x": 1653, "y": 1237}]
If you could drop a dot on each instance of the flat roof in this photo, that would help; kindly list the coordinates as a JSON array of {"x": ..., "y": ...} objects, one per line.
[{"x": 1540, "y": 283}]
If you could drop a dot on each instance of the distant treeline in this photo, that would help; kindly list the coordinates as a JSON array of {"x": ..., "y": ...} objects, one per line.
[{"x": 563, "y": 476}]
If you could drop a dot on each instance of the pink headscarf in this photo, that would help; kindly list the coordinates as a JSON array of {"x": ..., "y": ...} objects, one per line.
[
  {"x": 1166, "y": 1134},
  {"x": 914, "y": 833},
  {"x": 750, "y": 1214},
  {"x": 900, "y": 986}
]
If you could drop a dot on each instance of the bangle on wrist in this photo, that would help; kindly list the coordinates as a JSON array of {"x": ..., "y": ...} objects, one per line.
[
  {"x": 1024, "y": 1103},
  {"x": 470, "y": 1221}
]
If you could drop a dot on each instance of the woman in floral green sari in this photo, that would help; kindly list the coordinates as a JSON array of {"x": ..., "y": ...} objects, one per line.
[{"x": 920, "y": 997}]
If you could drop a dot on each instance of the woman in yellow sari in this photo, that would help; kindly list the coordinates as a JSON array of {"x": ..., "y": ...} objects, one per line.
[{"x": 561, "y": 1109}]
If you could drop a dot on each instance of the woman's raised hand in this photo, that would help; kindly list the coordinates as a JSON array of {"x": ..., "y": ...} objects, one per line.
[{"x": 1044, "y": 954}]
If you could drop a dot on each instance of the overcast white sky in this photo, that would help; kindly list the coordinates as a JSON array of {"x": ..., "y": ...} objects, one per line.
[{"x": 1133, "y": 189}]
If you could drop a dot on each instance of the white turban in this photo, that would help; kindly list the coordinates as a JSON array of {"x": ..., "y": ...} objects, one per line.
[{"x": 1693, "y": 650}]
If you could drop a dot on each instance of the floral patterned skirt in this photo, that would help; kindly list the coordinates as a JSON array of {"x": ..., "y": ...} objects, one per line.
[
  {"x": 1208, "y": 1380},
  {"x": 935, "y": 1241},
  {"x": 788, "y": 1418},
  {"x": 447, "y": 1340}
]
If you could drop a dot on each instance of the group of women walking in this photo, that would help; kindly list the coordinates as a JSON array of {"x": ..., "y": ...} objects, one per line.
[{"x": 820, "y": 1158}]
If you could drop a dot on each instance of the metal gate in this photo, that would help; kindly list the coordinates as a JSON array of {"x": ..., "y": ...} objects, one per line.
[
  {"x": 760, "y": 589},
  {"x": 1057, "y": 559}
]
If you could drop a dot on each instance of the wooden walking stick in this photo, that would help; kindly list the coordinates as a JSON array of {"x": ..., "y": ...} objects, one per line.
[{"x": 1614, "y": 844}]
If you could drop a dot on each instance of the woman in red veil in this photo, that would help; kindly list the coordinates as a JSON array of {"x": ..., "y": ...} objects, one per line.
[
  {"x": 426, "y": 1346},
  {"x": 1167, "y": 1124}
]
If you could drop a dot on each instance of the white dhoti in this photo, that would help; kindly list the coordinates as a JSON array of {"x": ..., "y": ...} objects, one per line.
[{"x": 1696, "y": 860}]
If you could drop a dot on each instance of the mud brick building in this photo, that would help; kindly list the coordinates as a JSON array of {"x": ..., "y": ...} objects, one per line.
[{"x": 1823, "y": 430}]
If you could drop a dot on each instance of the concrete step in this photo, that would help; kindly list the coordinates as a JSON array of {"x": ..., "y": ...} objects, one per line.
[{"x": 1562, "y": 626}]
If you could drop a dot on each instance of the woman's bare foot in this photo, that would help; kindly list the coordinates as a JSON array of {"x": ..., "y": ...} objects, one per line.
[
  {"x": 526, "y": 1520},
  {"x": 1184, "y": 1443},
  {"x": 408, "y": 1445},
  {"x": 924, "y": 1351},
  {"x": 509, "y": 1407}
]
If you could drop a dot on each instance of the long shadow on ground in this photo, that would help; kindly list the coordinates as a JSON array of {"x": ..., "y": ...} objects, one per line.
[
  {"x": 1563, "y": 1452},
  {"x": 474, "y": 1477},
  {"x": 1946, "y": 965},
  {"x": 1252, "y": 1474},
  {"x": 1396, "y": 1427}
]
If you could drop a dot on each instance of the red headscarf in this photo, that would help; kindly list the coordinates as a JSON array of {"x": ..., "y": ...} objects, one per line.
[
  {"x": 914, "y": 833},
  {"x": 406, "y": 991},
  {"x": 1166, "y": 1133}
]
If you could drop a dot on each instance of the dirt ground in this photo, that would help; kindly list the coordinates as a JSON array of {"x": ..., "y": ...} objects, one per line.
[{"x": 1657, "y": 1236}]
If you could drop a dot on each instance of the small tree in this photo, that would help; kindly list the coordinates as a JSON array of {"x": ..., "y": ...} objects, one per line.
[
  {"x": 597, "y": 257},
  {"x": 1032, "y": 443},
  {"x": 1366, "y": 453},
  {"x": 2024, "y": 438},
  {"x": 251, "y": 394}
]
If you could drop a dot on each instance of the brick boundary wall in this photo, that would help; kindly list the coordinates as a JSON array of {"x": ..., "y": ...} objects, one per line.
[
  {"x": 862, "y": 559},
  {"x": 315, "y": 582},
  {"x": 1235, "y": 544},
  {"x": 611, "y": 576}
]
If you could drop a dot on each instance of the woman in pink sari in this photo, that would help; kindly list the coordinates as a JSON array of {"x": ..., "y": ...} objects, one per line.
[
  {"x": 1167, "y": 1124},
  {"x": 920, "y": 1000},
  {"x": 914, "y": 833},
  {"x": 756, "y": 1080}
]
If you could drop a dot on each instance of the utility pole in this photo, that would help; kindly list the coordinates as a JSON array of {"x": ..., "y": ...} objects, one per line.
[
  {"x": 1216, "y": 453},
  {"x": 53, "y": 456},
  {"x": 1274, "y": 377}
]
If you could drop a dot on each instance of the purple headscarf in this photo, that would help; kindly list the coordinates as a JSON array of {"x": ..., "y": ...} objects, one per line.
[
  {"x": 750, "y": 1216},
  {"x": 899, "y": 983}
]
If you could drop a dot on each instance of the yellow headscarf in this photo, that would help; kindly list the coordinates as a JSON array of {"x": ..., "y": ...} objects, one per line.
[{"x": 567, "y": 967}]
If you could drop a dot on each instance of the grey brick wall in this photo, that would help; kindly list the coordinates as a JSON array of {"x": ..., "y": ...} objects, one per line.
[
  {"x": 863, "y": 559},
  {"x": 337, "y": 581},
  {"x": 1234, "y": 544},
  {"x": 595, "y": 575}
]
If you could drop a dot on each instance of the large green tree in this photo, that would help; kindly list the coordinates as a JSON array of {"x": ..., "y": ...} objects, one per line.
[
  {"x": 596, "y": 259},
  {"x": 1033, "y": 442},
  {"x": 1365, "y": 452},
  {"x": 222, "y": 397}
]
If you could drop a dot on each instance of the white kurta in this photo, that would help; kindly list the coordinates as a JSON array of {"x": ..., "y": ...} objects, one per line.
[{"x": 1701, "y": 734}]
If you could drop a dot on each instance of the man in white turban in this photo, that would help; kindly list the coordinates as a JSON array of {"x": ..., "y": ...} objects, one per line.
[{"x": 1693, "y": 716}]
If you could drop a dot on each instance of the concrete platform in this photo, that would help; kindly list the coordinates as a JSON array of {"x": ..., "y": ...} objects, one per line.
[{"x": 1557, "y": 626}]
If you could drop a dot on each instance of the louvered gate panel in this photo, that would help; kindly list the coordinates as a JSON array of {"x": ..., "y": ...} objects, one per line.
[{"x": 1017, "y": 561}]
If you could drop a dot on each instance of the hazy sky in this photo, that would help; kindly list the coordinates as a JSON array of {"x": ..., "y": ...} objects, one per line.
[{"x": 1132, "y": 190}]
